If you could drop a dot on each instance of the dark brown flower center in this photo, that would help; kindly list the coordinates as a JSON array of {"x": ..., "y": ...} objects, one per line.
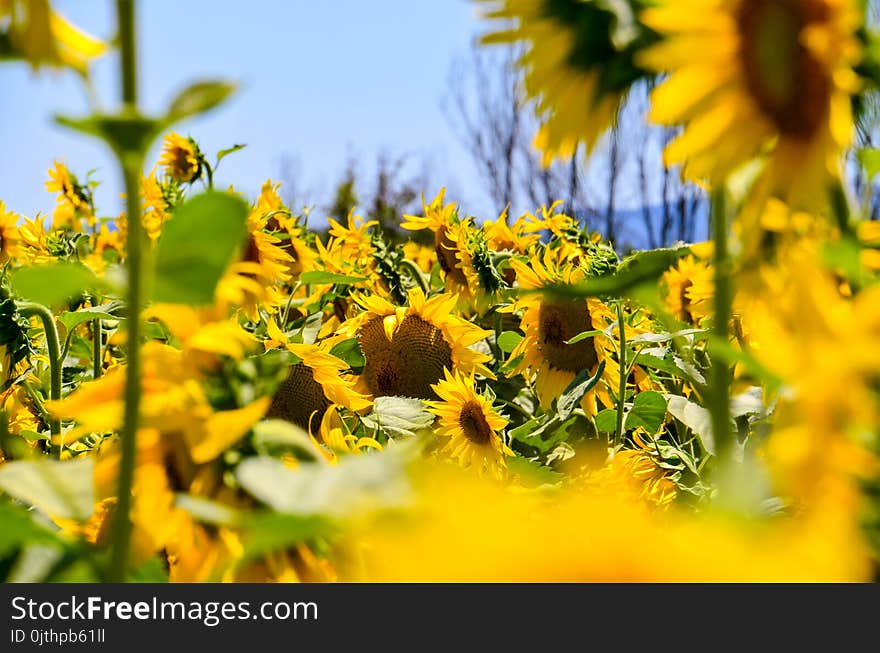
[
  {"x": 300, "y": 399},
  {"x": 473, "y": 423},
  {"x": 558, "y": 323},
  {"x": 407, "y": 365},
  {"x": 789, "y": 85}
]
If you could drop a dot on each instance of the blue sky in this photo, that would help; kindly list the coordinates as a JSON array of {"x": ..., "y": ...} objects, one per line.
[{"x": 325, "y": 81}]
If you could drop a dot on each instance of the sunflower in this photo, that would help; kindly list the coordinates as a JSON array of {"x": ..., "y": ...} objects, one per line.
[
  {"x": 503, "y": 236},
  {"x": 758, "y": 78},
  {"x": 424, "y": 257},
  {"x": 182, "y": 158},
  {"x": 574, "y": 70},
  {"x": 173, "y": 403},
  {"x": 9, "y": 235},
  {"x": 156, "y": 208},
  {"x": 407, "y": 348},
  {"x": 255, "y": 281},
  {"x": 74, "y": 200},
  {"x": 43, "y": 37},
  {"x": 34, "y": 241},
  {"x": 635, "y": 473},
  {"x": 443, "y": 221},
  {"x": 285, "y": 226},
  {"x": 336, "y": 437},
  {"x": 355, "y": 238},
  {"x": 549, "y": 323},
  {"x": 470, "y": 423},
  {"x": 312, "y": 385},
  {"x": 689, "y": 290}
]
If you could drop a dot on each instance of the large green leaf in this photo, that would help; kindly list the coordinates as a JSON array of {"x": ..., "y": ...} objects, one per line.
[
  {"x": 60, "y": 489},
  {"x": 53, "y": 284},
  {"x": 648, "y": 411},
  {"x": 196, "y": 247},
  {"x": 399, "y": 416},
  {"x": 696, "y": 418},
  {"x": 197, "y": 98},
  {"x": 20, "y": 528},
  {"x": 508, "y": 340},
  {"x": 273, "y": 435},
  {"x": 350, "y": 351},
  {"x": 581, "y": 385},
  {"x": 355, "y": 485},
  {"x": 637, "y": 269}
]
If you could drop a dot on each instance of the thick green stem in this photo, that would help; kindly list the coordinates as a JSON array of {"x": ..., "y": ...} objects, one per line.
[
  {"x": 97, "y": 354},
  {"x": 416, "y": 273},
  {"x": 131, "y": 166},
  {"x": 624, "y": 372},
  {"x": 53, "y": 345},
  {"x": 720, "y": 372}
]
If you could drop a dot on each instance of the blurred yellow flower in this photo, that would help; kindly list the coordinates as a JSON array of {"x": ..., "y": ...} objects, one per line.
[
  {"x": 758, "y": 78},
  {"x": 42, "y": 36}
]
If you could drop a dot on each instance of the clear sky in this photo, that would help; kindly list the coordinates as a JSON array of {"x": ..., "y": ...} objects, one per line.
[{"x": 323, "y": 80}]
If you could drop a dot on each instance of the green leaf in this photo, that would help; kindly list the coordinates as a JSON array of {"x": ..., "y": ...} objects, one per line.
[
  {"x": 72, "y": 319},
  {"x": 197, "y": 98},
  {"x": 265, "y": 532},
  {"x": 696, "y": 418},
  {"x": 583, "y": 335},
  {"x": 350, "y": 351},
  {"x": 532, "y": 473},
  {"x": 222, "y": 154},
  {"x": 20, "y": 528},
  {"x": 508, "y": 341},
  {"x": 356, "y": 485},
  {"x": 606, "y": 421},
  {"x": 638, "y": 269},
  {"x": 675, "y": 367},
  {"x": 319, "y": 277},
  {"x": 59, "y": 489},
  {"x": 869, "y": 158},
  {"x": 208, "y": 511},
  {"x": 581, "y": 385},
  {"x": 648, "y": 411},
  {"x": 399, "y": 416},
  {"x": 152, "y": 571},
  {"x": 196, "y": 247},
  {"x": 53, "y": 284},
  {"x": 126, "y": 133},
  {"x": 273, "y": 434},
  {"x": 666, "y": 337}
]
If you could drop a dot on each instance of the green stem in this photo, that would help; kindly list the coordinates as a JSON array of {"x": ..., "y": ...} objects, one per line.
[
  {"x": 719, "y": 382},
  {"x": 131, "y": 163},
  {"x": 97, "y": 355},
  {"x": 416, "y": 273},
  {"x": 621, "y": 391},
  {"x": 29, "y": 309}
]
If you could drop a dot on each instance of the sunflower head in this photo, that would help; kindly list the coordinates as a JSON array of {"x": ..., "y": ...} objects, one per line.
[
  {"x": 766, "y": 80},
  {"x": 407, "y": 348},
  {"x": 689, "y": 290},
  {"x": 312, "y": 385},
  {"x": 182, "y": 158},
  {"x": 578, "y": 64},
  {"x": 74, "y": 199},
  {"x": 549, "y": 323},
  {"x": 468, "y": 423},
  {"x": 9, "y": 235}
]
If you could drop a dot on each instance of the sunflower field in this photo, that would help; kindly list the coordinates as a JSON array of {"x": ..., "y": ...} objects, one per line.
[{"x": 198, "y": 385}]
